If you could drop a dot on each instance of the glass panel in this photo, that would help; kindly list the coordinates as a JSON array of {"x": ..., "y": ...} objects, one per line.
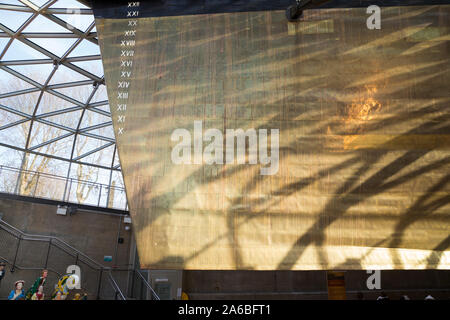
[
  {"x": 64, "y": 74},
  {"x": 27, "y": 183},
  {"x": 56, "y": 167},
  {"x": 52, "y": 186},
  {"x": 94, "y": 66},
  {"x": 86, "y": 188},
  {"x": 41, "y": 132},
  {"x": 13, "y": 20},
  {"x": 39, "y": 3},
  {"x": 3, "y": 43},
  {"x": 91, "y": 186},
  {"x": 102, "y": 157},
  {"x": 15, "y": 135},
  {"x": 107, "y": 132},
  {"x": 20, "y": 51},
  {"x": 55, "y": 46},
  {"x": 85, "y": 48},
  {"x": 68, "y": 119},
  {"x": 68, "y": 4},
  {"x": 60, "y": 148},
  {"x": 80, "y": 93},
  {"x": 79, "y": 21},
  {"x": 37, "y": 72},
  {"x": 117, "y": 162},
  {"x": 50, "y": 103},
  {"x": 117, "y": 198},
  {"x": 10, "y": 157},
  {"x": 24, "y": 102},
  {"x": 8, "y": 177},
  {"x": 14, "y": 2},
  {"x": 92, "y": 118},
  {"x": 7, "y": 117},
  {"x": 100, "y": 95},
  {"x": 86, "y": 144},
  {"x": 104, "y": 108},
  {"x": 6, "y": 85},
  {"x": 43, "y": 24},
  {"x": 45, "y": 178}
]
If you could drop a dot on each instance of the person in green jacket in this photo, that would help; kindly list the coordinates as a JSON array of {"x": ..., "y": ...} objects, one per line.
[{"x": 39, "y": 282}]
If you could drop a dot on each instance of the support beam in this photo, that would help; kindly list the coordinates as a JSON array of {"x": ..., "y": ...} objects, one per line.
[
  {"x": 93, "y": 151},
  {"x": 55, "y": 157}
]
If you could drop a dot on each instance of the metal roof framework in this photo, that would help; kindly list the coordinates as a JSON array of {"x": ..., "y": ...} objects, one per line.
[{"x": 55, "y": 61}]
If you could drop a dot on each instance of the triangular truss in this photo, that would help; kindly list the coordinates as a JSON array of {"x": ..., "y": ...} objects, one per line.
[{"x": 53, "y": 85}]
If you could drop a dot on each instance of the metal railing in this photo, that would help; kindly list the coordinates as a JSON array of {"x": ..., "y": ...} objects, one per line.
[
  {"x": 149, "y": 287},
  {"x": 63, "y": 188},
  {"x": 118, "y": 294},
  {"x": 93, "y": 273},
  {"x": 51, "y": 241}
]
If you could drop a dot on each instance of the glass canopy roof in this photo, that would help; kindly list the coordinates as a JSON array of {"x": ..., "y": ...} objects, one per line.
[{"x": 54, "y": 113}]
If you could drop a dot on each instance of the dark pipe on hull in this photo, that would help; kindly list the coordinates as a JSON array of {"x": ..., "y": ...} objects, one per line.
[{"x": 294, "y": 12}]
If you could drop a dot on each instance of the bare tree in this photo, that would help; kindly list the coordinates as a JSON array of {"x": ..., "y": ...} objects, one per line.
[{"x": 34, "y": 133}]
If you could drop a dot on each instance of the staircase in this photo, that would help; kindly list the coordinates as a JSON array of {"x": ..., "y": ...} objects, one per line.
[{"x": 27, "y": 255}]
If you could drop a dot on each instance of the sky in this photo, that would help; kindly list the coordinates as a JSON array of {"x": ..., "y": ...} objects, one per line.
[{"x": 18, "y": 50}]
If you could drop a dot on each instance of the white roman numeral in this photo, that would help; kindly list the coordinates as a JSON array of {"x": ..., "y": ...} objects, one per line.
[
  {"x": 123, "y": 84},
  {"x": 120, "y": 130},
  {"x": 126, "y": 63},
  {"x": 125, "y": 74},
  {"x": 121, "y": 107},
  {"x": 127, "y": 53},
  {"x": 121, "y": 119},
  {"x": 132, "y": 23},
  {"x": 122, "y": 95},
  {"x": 132, "y": 13},
  {"x": 130, "y": 33},
  {"x": 129, "y": 43}
]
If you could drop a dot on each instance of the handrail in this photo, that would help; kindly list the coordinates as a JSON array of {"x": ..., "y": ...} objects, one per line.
[
  {"x": 116, "y": 286},
  {"x": 60, "y": 177},
  {"x": 25, "y": 236},
  {"x": 32, "y": 237},
  {"x": 28, "y": 268},
  {"x": 37, "y": 269},
  {"x": 147, "y": 285},
  {"x": 100, "y": 201},
  {"x": 19, "y": 234}
]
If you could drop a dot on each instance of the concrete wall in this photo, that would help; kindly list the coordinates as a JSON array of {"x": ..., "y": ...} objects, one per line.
[
  {"x": 255, "y": 284},
  {"x": 94, "y": 234},
  {"x": 312, "y": 284}
]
